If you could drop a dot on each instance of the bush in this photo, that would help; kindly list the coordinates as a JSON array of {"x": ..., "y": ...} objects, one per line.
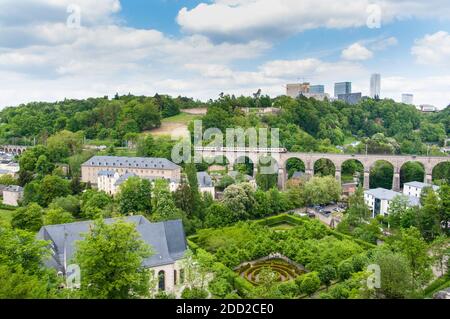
[
  {"x": 345, "y": 270},
  {"x": 309, "y": 283},
  {"x": 194, "y": 293}
]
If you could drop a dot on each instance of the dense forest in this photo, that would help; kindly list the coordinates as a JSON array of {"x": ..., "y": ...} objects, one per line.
[{"x": 97, "y": 118}]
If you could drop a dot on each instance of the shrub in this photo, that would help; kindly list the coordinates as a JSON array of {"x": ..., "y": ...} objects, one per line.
[
  {"x": 194, "y": 293},
  {"x": 345, "y": 270},
  {"x": 309, "y": 283}
]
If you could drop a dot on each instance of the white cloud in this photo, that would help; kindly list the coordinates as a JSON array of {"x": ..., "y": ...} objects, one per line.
[
  {"x": 356, "y": 52},
  {"x": 384, "y": 44},
  {"x": 433, "y": 49},
  {"x": 244, "y": 19},
  {"x": 42, "y": 59}
]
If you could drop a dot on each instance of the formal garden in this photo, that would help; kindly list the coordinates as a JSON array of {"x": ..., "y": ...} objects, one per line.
[
  {"x": 282, "y": 267},
  {"x": 256, "y": 259}
]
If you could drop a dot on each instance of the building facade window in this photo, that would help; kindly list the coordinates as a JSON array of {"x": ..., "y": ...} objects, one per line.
[
  {"x": 162, "y": 280},
  {"x": 181, "y": 276}
]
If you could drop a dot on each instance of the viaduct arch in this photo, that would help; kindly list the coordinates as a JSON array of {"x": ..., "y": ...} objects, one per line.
[
  {"x": 13, "y": 149},
  {"x": 281, "y": 157}
]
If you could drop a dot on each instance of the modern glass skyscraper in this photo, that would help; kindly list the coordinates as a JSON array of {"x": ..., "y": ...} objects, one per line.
[
  {"x": 317, "y": 89},
  {"x": 407, "y": 98},
  {"x": 342, "y": 88},
  {"x": 375, "y": 85}
]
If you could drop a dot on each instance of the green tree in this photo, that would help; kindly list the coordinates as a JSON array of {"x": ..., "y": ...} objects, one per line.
[
  {"x": 135, "y": 196},
  {"x": 28, "y": 218},
  {"x": 395, "y": 274},
  {"x": 327, "y": 274},
  {"x": 52, "y": 187},
  {"x": 345, "y": 270},
  {"x": 69, "y": 204},
  {"x": 440, "y": 252},
  {"x": 191, "y": 174},
  {"x": 95, "y": 204},
  {"x": 57, "y": 216},
  {"x": 111, "y": 262},
  {"x": 322, "y": 190},
  {"x": 358, "y": 212},
  {"x": 18, "y": 284},
  {"x": 163, "y": 205},
  {"x": 309, "y": 283},
  {"x": 444, "y": 195},
  {"x": 218, "y": 215},
  {"x": 429, "y": 217},
  {"x": 415, "y": 249}
]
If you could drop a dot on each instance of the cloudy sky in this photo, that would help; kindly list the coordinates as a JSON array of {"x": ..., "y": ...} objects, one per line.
[{"x": 53, "y": 49}]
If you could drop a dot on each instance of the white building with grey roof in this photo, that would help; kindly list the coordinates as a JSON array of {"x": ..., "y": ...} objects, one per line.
[
  {"x": 144, "y": 167},
  {"x": 167, "y": 240},
  {"x": 415, "y": 188},
  {"x": 379, "y": 200},
  {"x": 12, "y": 195}
]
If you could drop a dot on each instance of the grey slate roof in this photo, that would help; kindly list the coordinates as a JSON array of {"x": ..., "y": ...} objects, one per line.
[
  {"x": 387, "y": 194},
  {"x": 167, "y": 240},
  {"x": 122, "y": 179},
  {"x": 14, "y": 189},
  {"x": 204, "y": 179},
  {"x": 106, "y": 173},
  {"x": 131, "y": 162},
  {"x": 422, "y": 185}
]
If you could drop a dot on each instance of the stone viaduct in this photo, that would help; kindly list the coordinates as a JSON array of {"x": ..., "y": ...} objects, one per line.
[
  {"x": 13, "y": 149},
  {"x": 281, "y": 156}
]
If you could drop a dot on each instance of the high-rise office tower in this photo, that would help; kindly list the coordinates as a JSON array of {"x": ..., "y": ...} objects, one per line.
[
  {"x": 375, "y": 85},
  {"x": 317, "y": 89},
  {"x": 407, "y": 98},
  {"x": 342, "y": 88}
]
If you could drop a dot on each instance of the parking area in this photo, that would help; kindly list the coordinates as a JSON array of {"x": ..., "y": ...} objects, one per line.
[{"x": 328, "y": 214}]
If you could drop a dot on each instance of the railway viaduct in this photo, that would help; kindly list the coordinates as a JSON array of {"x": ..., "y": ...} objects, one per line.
[{"x": 281, "y": 156}]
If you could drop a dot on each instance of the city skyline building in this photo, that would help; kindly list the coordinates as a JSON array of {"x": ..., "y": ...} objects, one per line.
[
  {"x": 408, "y": 98},
  {"x": 295, "y": 89},
  {"x": 342, "y": 88},
  {"x": 375, "y": 85},
  {"x": 317, "y": 89}
]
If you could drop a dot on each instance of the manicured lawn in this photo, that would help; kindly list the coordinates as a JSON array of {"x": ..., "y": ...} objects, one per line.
[
  {"x": 181, "y": 118},
  {"x": 5, "y": 216},
  {"x": 282, "y": 226}
]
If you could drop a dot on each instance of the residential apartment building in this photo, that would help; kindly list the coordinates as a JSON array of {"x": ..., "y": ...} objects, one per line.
[
  {"x": 110, "y": 182},
  {"x": 379, "y": 200},
  {"x": 415, "y": 188},
  {"x": 144, "y": 167}
]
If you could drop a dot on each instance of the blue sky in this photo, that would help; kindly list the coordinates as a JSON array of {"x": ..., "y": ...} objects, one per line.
[{"x": 202, "y": 48}]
